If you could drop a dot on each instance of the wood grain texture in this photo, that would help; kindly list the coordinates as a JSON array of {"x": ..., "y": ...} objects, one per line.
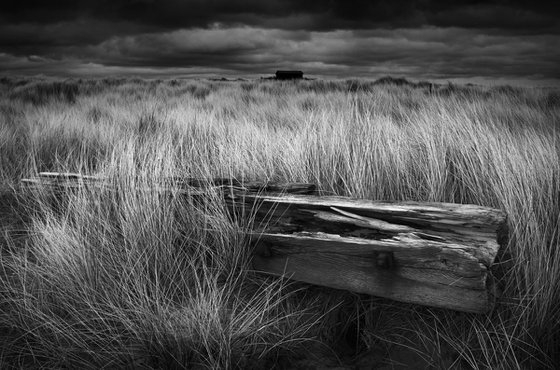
[
  {"x": 435, "y": 254},
  {"x": 441, "y": 253},
  {"x": 425, "y": 272}
]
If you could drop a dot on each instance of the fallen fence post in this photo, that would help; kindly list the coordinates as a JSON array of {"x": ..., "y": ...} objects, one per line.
[{"x": 434, "y": 254}]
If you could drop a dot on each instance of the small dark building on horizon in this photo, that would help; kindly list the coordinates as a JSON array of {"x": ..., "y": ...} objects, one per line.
[{"x": 289, "y": 75}]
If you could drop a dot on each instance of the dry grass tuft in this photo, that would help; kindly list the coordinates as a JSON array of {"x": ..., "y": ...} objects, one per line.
[{"x": 133, "y": 279}]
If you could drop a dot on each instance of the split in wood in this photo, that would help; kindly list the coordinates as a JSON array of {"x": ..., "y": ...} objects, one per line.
[{"x": 435, "y": 254}]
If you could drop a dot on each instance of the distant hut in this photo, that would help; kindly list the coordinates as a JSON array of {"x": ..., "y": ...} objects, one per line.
[{"x": 289, "y": 75}]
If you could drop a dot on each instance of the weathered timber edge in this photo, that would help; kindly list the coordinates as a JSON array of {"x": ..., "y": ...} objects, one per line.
[{"x": 435, "y": 254}]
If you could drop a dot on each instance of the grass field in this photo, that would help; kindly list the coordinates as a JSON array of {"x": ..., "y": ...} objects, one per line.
[{"x": 126, "y": 279}]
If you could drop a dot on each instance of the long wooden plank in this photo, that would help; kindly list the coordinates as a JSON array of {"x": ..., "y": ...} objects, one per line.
[
  {"x": 440, "y": 253},
  {"x": 435, "y": 254}
]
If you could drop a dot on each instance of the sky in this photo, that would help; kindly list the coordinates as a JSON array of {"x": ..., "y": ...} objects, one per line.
[{"x": 496, "y": 40}]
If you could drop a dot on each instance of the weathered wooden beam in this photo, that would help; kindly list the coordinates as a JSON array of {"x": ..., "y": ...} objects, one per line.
[
  {"x": 67, "y": 176},
  {"x": 71, "y": 180},
  {"x": 405, "y": 268},
  {"x": 435, "y": 254}
]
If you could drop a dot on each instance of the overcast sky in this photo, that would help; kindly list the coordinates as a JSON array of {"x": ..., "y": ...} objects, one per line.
[{"x": 426, "y": 39}]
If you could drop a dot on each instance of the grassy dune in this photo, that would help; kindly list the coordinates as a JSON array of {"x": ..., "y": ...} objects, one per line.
[{"x": 125, "y": 278}]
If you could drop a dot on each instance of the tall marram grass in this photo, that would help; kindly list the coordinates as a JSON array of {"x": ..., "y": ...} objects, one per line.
[{"x": 124, "y": 277}]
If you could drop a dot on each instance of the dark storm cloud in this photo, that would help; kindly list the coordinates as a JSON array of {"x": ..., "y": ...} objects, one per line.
[
  {"x": 426, "y": 38},
  {"x": 320, "y": 14},
  {"x": 496, "y": 16}
]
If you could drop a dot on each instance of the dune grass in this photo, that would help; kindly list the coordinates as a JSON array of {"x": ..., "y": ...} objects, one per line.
[{"x": 121, "y": 278}]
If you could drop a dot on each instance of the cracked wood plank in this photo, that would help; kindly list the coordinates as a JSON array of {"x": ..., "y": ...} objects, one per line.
[{"x": 434, "y": 254}]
